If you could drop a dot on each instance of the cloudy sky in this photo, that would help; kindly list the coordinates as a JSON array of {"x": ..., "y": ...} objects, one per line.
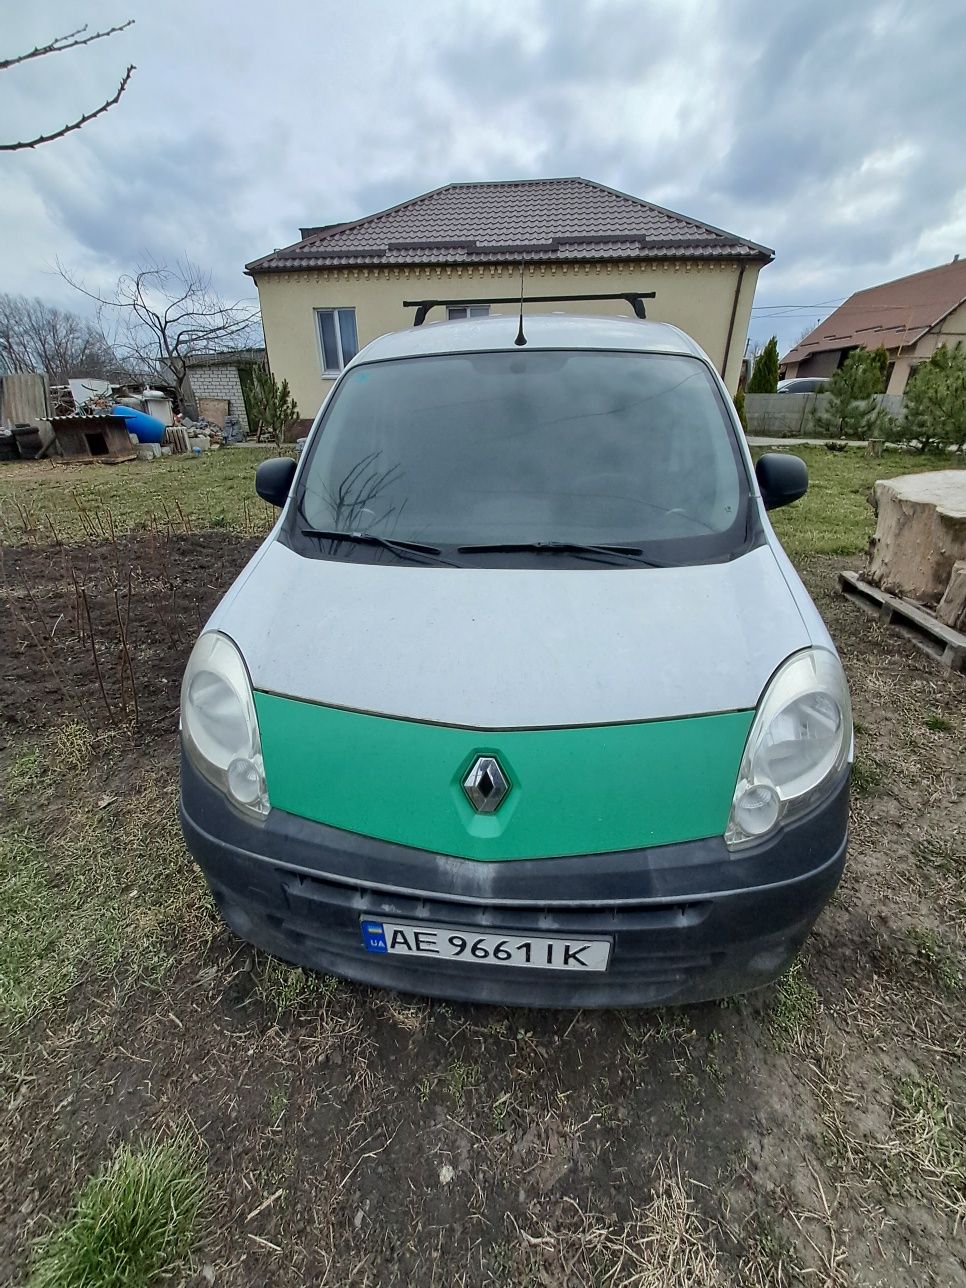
[{"x": 830, "y": 130}]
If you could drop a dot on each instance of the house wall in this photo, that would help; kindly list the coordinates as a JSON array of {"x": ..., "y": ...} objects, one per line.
[
  {"x": 220, "y": 382},
  {"x": 696, "y": 296},
  {"x": 951, "y": 331}
]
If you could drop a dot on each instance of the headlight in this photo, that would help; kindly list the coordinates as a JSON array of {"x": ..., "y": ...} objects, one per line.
[
  {"x": 800, "y": 741},
  {"x": 218, "y": 724}
]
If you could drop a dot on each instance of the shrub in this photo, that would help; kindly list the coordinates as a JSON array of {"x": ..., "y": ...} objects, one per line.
[
  {"x": 851, "y": 410},
  {"x": 740, "y": 409},
  {"x": 935, "y": 403},
  {"x": 764, "y": 375},
  {"x": 880, "y": 361},
  {"x": 272, "y": 407}
]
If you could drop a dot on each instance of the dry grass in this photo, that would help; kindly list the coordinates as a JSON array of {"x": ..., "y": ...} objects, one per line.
[
  {"x": 105, "y": 881},
  {"x": 663, "y": 1244},
  {"x": 44, "y": 501},
  {"x": 928, "y": 1141},
  {"x": 289, "y": 990}
]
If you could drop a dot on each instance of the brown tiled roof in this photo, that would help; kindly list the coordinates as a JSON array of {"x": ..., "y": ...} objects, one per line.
[
  {"x": 539, "y": 220},
  {"x": 893, "y": 314}
]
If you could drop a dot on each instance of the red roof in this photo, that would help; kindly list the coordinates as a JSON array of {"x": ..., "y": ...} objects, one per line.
[
  {"x": 538, "y": 220},
  {"x": 892, "y": 315}
]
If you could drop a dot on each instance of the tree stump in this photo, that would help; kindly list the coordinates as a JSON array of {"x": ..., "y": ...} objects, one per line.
[
  {"x": 920, "y": 534},
  {"x": 952, "y": 606}
]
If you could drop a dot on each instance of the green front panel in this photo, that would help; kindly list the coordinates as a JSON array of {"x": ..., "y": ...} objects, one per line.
[{"x": 573, "y": 791}]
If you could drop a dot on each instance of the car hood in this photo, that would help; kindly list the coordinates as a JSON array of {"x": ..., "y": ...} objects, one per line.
[{"x": 499, "y": 648}]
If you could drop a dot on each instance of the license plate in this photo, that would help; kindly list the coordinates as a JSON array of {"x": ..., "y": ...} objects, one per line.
[{"x": 540, "y": 952}]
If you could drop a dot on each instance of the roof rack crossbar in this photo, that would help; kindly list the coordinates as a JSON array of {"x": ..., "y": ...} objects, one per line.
[{"x": 634, "y": 298}]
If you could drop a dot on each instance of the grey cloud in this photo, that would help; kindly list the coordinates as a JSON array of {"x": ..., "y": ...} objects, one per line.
[
  {"x": 753, "y": 115},
  {"x": 172, "y": 200},
  {"x": 616, "y": 42}
]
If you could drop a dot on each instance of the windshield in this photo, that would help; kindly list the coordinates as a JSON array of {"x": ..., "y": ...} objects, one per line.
[{"x": 533, "y": 449}]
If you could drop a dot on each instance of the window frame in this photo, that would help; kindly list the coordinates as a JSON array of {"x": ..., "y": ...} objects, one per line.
[
  {"x": 331, "y": 373},
  {"x": 481, "y": 311}
]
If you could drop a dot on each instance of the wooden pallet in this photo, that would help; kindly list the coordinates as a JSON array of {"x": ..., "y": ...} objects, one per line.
[{"x": 932, "y": 636}]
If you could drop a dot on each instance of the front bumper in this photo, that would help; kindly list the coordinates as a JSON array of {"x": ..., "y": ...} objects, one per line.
[{"x": 689, "y": 922}]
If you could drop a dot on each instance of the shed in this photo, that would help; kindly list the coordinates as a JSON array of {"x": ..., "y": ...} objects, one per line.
[{"x": 93, "y": 438}]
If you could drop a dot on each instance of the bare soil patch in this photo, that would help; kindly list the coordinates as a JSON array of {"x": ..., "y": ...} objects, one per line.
[
  {"x": 93, "y": 631},
  {"x": 811, "y": 1133}
]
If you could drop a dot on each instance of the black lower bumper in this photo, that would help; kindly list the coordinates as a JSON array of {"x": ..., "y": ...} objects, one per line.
[{"x": 688, "y": 922}]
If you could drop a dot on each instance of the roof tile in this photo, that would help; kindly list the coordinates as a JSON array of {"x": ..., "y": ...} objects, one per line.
[
  {"x": 892, "y": 315},
  {"x": 539, "y": 220}
]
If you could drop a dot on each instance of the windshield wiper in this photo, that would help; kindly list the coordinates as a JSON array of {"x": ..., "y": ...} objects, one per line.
[
  {"x": 610, "y": 554},
  {"x": 412, "y": 550}
]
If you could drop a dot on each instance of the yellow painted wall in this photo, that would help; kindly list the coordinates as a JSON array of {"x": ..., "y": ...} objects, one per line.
[
  {"x": 697, "y": 297},
  {"x": 951, "y": 331}
]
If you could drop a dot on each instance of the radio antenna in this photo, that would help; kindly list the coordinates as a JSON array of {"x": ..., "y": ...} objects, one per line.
[{"x": 521, "y": 338}]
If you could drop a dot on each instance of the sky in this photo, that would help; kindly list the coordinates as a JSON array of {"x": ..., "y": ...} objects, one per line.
[{"x": 830, "y": 131}]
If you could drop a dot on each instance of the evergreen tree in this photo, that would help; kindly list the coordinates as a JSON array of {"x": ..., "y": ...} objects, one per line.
[
  {"x": 764, "y": 375},
  {"x": 272, "y": 407},
  {"x": 880, "y": 359},
  {"x": 740, "y": 409},
  {"x": 851, "y": 406},
  {"x": 935, "y": 402}
]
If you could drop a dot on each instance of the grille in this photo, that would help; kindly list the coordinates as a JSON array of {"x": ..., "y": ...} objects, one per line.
[
  {"x": 647, "y": 939},
  {"x": 363, "y": 902}
]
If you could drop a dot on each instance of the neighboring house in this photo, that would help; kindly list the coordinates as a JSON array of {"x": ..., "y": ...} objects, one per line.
[
  {"x": 910, "y": 318},
  {"x": 342, "y": 285},
  {"x": 223, "y": 375}
]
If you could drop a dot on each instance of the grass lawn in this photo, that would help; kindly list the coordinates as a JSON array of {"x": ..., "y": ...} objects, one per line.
[
  {"x": 177, "y": 1107},
  {"x": 835, "y": 517},
  {"x": 39, "y": 499}
]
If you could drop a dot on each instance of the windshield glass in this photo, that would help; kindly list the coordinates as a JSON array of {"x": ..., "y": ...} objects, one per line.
[{"x": 541, "y": 447}]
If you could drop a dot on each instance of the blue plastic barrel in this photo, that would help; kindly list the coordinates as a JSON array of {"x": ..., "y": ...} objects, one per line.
[{"x": 147, "y": 429}]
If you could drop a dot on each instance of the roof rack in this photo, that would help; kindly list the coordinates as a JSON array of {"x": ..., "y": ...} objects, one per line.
[{"x": 634, "y": 298}]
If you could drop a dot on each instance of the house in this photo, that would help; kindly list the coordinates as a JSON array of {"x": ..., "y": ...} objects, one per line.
[
  {"x": 342, "y": 285},
  {"x": 910, "y": 318}
]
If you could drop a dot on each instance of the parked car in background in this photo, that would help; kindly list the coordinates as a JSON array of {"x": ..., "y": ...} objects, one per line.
[{"x": 804, "y": 385}]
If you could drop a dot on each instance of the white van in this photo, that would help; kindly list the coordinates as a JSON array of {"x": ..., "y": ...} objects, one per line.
[{"x": 521, "y": 700}]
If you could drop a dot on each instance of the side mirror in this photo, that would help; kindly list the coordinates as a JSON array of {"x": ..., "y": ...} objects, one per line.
[
  {"x": 782, "y": 479},
  {"x": 273, "y": 479}
]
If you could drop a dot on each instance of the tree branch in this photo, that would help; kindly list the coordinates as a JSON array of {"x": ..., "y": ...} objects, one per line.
[
  {"x": 60, "y": 43},
  {"x": 76, "y": 125}
]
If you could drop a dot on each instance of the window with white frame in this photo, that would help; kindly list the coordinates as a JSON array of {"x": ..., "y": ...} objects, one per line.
[
  {"x": 338, "y": 338},
  {"x": 455, "y": 312}
]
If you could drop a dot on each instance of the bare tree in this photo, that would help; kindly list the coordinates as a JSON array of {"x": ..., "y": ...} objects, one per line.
[
  {"x": 806, "y": 331},
  {"x": 73, "y": 40},
  {"x": 35, "y": 336},
  {"x": 160, "y": 316}
]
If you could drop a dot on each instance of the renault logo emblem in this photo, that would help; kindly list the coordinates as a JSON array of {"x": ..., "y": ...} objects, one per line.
[{"x": 486, "y": 785}]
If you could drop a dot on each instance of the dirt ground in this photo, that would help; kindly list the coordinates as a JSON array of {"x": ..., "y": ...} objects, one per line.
[{"x": 812, "y": 1133}]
